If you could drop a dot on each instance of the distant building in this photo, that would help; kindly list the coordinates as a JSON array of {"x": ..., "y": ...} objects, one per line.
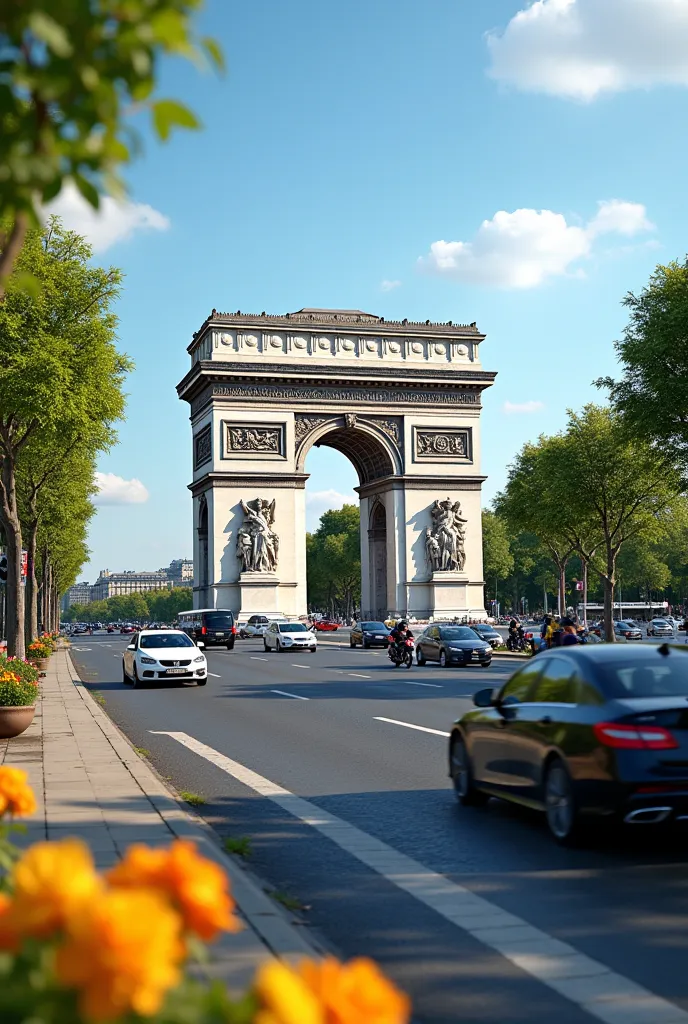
[
  {"x": 80, "y": 593},
  {"x": 117, "y": 584},
  {"x": 180, "y": 572}
]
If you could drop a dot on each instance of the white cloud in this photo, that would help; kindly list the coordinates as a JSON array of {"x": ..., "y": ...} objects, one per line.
[
  {"x": 581, "y": 48},
  {"x": 318, "y": 502},
  {"x": 389, "y": 286},
  {"x": 115, "y": 490},
  {"x": 114, "y": 221},
  {"x": 523, "y": 248},
  {"x": 517, "y": 408}
]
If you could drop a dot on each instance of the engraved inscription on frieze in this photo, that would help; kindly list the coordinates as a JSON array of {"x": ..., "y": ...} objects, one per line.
[
  {"x": 202, "y": 447},
  {"x": 254, "y": 439},
  {"x": 384, "y": 396},
  {"x": 435, "y": 445}
]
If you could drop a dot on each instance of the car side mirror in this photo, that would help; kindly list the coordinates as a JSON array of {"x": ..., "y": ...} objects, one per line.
[
  {"x": 484, "y": 698},
  {"x": 131, "y": 647},
  {"x": 200, "y": 643}
]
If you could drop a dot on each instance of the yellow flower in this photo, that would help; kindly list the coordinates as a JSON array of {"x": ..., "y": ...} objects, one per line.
[
  {"x": 16, "y": 796},
  {"x": 122, "y": 954},
  {"x": 198, "y": 887},
  {"x": 329, "y": 992},
  {"x": 284, "y": 997},
  {"x": 51, "y": 882}
]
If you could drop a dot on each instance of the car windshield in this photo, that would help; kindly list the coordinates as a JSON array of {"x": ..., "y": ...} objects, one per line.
[
  {"x": 625, "y": 625},
  {"x": 165, "y": 640},
  {"x": 458, "y": 633},
  {"x": 219, "y": 620},
  {"x": 660, "y": 622},
  {"x": 292, "y": 627},
  {"x": 667, "y": 677},
  {"x": 374, "y": 627},
  {"x": 485, "y": 629}
]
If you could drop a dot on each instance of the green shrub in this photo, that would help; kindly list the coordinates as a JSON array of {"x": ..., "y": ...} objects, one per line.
[
  {"x": 23, "y": 669},
  {"x": 16, "y": 693}
]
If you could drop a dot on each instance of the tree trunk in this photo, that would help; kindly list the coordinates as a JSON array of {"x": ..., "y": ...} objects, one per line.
[
  {"x": 15, "y": 592},
  {"x": 609, "y": 634},
  {"x": 31, "y": 630}
]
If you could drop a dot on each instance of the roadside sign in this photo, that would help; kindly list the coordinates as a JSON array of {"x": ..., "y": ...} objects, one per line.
[{"x": 25, "y": 564}]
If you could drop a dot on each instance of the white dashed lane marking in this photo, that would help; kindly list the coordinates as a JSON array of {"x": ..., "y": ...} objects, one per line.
[
  {"x": 214, "y": 675},
  {"x": 302, "y": 666},
  {"x": 253, "y": 658},
  {"x": 414, "y": 682},
  {"x": 283, "y": 693},
  {"x": 604, "y": 994},
  {"x": 410, "y": 725}
]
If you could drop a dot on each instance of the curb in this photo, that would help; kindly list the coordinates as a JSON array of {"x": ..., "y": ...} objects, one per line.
[{"x": 284, "y": 937}]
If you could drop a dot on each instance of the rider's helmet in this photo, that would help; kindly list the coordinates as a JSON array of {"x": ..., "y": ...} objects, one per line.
[{"x": 403, "y": 624}]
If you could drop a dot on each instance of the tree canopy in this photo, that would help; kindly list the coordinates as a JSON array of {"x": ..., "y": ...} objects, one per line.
[{"x": 334, "y": 562}]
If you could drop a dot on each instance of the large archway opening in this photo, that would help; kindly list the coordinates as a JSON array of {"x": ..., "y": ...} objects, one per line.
[{"x": 343, "y": 459}]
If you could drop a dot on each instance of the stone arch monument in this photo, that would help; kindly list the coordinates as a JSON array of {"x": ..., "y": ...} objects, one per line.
[{"x": 401, "y": 400}]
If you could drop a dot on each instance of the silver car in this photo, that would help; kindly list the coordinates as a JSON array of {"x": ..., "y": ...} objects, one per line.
[{"x": 660, "y": 627}]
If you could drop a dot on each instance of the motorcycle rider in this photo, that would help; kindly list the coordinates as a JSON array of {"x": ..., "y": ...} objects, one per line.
[
  {"x": 516, "y": 638},
  {"x": 400, "y": 633}
]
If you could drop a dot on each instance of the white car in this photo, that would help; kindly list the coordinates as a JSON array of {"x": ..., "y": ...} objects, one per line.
[
  {"x": 257, "y": 624},
  {"x": 157, "y": 654},
  {"x": 289, "y": 636}
]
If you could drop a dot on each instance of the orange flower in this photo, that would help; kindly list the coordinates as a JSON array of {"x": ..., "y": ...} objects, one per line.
[
  {"x": 50, "y": 883},
  {"x": 9, "y": 940},
  {"x": 16, "y": 796},
  {"x": 198, "y": 887},
  {"x": 122, "y": 953},
  {"x": 329, "y": 992}
]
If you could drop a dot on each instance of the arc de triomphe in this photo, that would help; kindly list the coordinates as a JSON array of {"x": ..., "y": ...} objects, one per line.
[{"x": 401, "y": 400}]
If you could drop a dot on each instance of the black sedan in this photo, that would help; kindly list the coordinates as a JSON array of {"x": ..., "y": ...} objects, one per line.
[
  {"x": 488, "y": 633},
  {"x": 583, "y": 734},
  {"x": 369, "y": 634},
  {"x": 452, "y": 645}
]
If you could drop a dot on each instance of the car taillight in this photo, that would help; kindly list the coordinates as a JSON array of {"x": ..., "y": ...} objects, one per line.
[
  {"x": 234, "y": 629},
  {"x": 632, "y": 737},
  {"x": 203, "y": 630}
]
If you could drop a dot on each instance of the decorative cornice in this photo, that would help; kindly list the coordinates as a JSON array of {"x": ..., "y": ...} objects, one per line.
[
  {"x": 422, "y": 483},
  {"x": 282, "y": 481}
]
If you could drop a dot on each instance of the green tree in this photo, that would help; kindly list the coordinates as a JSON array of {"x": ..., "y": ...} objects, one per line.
[
  {"x": 334, "y": 561},
  {"x": 60, "y": 373},
  {"x": 610, "y": 489},
  {"x": 71, "y": 75},
  {"x": 652, "y": 394},
  {"x": 498, "y": 561}
]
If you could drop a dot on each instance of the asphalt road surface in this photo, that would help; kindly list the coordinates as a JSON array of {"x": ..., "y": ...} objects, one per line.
[{"x": 334, "y": 766}]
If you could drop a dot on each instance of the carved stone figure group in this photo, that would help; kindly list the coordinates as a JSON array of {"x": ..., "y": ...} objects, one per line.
[
  {"x": 445, "y": 539},
  {"x": 257, "y": 544}
]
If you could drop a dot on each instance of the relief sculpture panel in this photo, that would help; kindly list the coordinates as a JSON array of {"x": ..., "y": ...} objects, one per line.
[
  {"x": 250, "y": 439},
  {"x": 435, "y": 445}
]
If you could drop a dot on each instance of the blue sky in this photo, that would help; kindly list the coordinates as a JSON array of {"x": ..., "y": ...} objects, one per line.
[{"x": 348, "y": 141}]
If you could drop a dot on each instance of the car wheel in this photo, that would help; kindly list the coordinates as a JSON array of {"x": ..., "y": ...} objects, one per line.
[
  {"x": 312, "y": 649},
  {"x": 230, "y": 647},
  {"x": 265, "y": 646},
  {"x": 136, "y": 681},
  {"x": 443, "y": 659},
  {"x": 462, "y": 776},
  {"x": 420, "y": 657},
  {"x": 560, "y": 804},
  {"x": 278, "y": 647},
  {"x": 125, "y": 677},
  {"x": 485, "y": 664}
]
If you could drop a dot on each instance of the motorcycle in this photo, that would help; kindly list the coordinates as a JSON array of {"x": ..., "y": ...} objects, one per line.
[
  {"x": 401, "y": 654},
  {"x": 516, "y": 642}
]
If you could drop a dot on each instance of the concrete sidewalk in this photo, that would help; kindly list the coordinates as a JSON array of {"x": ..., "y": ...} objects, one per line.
[{"x": 90, "y": 782}]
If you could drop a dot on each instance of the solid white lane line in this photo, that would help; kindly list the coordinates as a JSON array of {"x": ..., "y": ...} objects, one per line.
[
  {"x": 414, "y": 682},
  {"x": 360, "y": 675},
  {"x": 604, "y": 994},
  {"x": 302, "y": 666},
  {"x": 214, "y": 675},
  {"x": 253, "y": 658},
  {"x": 409, "y": 725},
  {"x": 283, "y": 693}
]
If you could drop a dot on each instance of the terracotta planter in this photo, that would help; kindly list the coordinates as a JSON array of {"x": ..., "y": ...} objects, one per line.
[
  {"x": 41, "y": 663},
  {"x": 14, "y": 721}
]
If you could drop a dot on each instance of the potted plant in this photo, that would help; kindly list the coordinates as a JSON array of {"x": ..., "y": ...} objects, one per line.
[
  {"x": 18, "y": 695},
  {"x": 39, "y": 651}
]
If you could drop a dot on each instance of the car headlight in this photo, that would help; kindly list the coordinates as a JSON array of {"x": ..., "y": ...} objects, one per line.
[
  {"x": 201, "y": 657},
  {"x": 148, "y": 661}
]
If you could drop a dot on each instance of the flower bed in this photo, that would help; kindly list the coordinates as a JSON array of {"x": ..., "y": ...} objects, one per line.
[
  {"x": 20, "y": 668},
  {"x": 39, "y": 649},
  {"x": 16, "y": 692},
  {"x": 78, "y": 947}
]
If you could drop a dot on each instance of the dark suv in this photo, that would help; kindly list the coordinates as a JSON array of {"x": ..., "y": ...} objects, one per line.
[{"x": 213, "y": 626}]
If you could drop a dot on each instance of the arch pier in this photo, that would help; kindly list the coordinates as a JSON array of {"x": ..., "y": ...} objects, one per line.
[{"x": 401, "y": 400}]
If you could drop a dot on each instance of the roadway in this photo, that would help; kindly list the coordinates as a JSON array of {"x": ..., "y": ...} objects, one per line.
[{"x": 334, "y": 766}]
